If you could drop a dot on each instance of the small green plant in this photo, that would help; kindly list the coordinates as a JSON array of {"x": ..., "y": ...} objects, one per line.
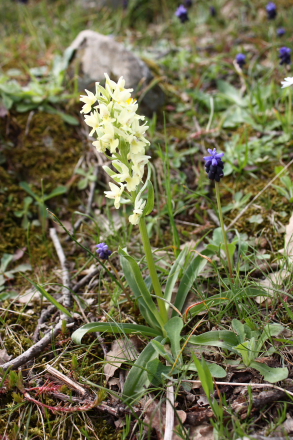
[
  {"x": 248, "y": 344},
  {"x": 7, "y": 274},
  {"x": 286, "y": 190},
  {"x": 216, "y": 243},
  {"x": 239, "y": 201},
  {"x": 41, "y": 200},
  {"x": 88, "y": 177},
  {"x": 43, "y": 92},
  {"x": 25, "y": 213},
  {"x": 207, "y": 383}
]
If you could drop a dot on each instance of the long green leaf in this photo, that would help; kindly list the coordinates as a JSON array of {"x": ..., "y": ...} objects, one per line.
[
  {"x": 137, "y": 380},
  {"x": 112, "y": 327},
  {"x": 156, "y": 369},
  {"x": 136, "y": 283},
  {"x": 49, "y": 297},
  {"x": 151, "y": 199},
  {"x": 196, "y": 265},
  {"x": 160, "y": 349},
  {"x": 204, "y": 375},
  {"x": 174, "y": 274},
  {"x": 5, "y": 261},
  {"x": 215, "y": 369},
  {"x": 216, "y": 338},
  {"x": 269, "y": 331},
  {"x": 173, "y": 329}
]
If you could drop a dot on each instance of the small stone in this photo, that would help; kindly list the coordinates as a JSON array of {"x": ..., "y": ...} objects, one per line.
[{"x": 94, "y": 54}]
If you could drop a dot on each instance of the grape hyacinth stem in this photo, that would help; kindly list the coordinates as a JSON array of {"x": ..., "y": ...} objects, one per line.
[
  {"x": 152, "y": 269},
  {"x": 217, "y": 187},
  {"x": 119, "y": 279},
  {"x": 289, "y": 109}
]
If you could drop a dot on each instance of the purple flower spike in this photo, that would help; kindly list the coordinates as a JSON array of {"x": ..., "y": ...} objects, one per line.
[
  {"x": 213, "y": 11},
  {"x": 285, "y": 55},
  {"x": 214, "y": 165},
  {"x": 182, "y": 14},
  {"x": 281, "y": 32},
  {"x": 271, "y": 10},
  {"x": 188, "y": 3},
  {"x": 241, "y": 59},
  {"x": 103, "y": 251}
]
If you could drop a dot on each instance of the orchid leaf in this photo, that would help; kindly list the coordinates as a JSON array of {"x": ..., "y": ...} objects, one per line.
[
  {"x": 174, "y": 274},
  {"x": 136, "y": 283},
  {"x": 196, "y": 266},
  {"x": 216, "y": 338},
  {"x": 112, "y": 327},
  {"x": 137, "y": 380},
  {"x": 272, "y": 375}
]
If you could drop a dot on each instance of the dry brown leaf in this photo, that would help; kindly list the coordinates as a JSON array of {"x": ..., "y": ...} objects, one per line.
[
  {"x": 202, "y": 432},
  {"x": 155, "y": 418},
  {"x": 273, "y": 281},
  {"x": 122, "y": 350},
  {"x": 29, "y": 295},
  {"x": 181, "y": 415},
  {"x": 155, "y": 415},
  {"x": 120, "y": 423},
  {"x": 289, "y": 239},
  {"x": 276, "y": 280},
  {"x": 4, "y": 356},
  {"x": 19, "y": 254},
  {"x": 3, "y": 111},
  {"x": 288, "y": 425},
  {"x": 67, "y": 224}
]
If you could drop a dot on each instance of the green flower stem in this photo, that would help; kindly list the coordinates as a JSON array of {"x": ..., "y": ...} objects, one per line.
[
  {"x": 290, "y": 109},
  {"x": 217, "y": 186},
  {"x": 152, "y": 268}
]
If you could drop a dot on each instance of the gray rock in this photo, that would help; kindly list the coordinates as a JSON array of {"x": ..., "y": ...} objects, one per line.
[{"x": 94, "y": 54}]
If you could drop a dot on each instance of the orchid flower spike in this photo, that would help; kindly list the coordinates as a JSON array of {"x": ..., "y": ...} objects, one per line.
[{"x": 287, "y": 82}]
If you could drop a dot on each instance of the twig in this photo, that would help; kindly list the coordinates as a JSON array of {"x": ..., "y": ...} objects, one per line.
[
  {"x": 51, "y": 309},
  {"x": 213, "y": 216},
  {"x": 264, "y": 268},
  {"x": 170, "y": 402},
  {"x": 44, "y": 315},
  {"x": 257, "y": 196},
  {"x": 67, "y": 297},
  {"x": 28, "y": 123},
  {"x": 78, "y": 223},
  {"x": 86, "y": 279},
  {"x": 35, "y": 350},
  {"x": 65, "y": 379}
]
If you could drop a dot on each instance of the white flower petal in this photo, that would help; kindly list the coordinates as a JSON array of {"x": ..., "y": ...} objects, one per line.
[{"x": 287, "y": 82}]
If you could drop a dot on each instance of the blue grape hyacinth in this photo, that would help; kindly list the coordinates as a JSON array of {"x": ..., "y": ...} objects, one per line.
[
  {"x": 281, "y": 31},
  {"x": 214, "y": 165},
  {"x": 285, "y": 55},
  {"x": 213, "y": 11},
  {"x": 271, "y": 10},
  {"x": 182, "y": 14},
  {"x": 103, "y": 251},
  {"x": 241, "y": 59}
]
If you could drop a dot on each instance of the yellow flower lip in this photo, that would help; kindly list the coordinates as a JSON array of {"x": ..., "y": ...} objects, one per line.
[{"x": 130, "y": 101}]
